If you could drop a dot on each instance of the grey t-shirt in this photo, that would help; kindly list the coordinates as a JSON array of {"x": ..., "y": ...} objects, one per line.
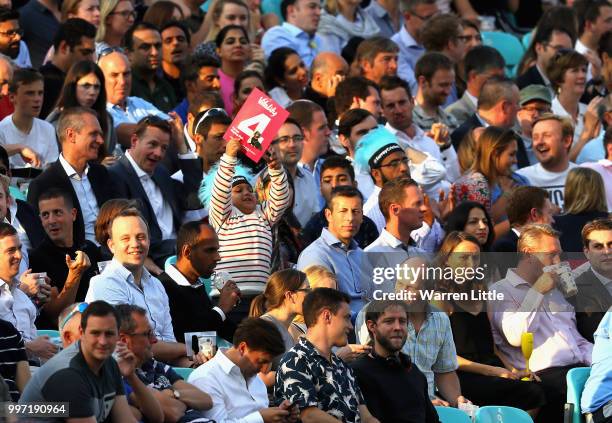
[{"x": 68, "y": 378}]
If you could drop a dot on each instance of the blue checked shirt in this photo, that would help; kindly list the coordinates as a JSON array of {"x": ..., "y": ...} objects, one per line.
[
  {"x": 135, "y": 109},
  {"x": 288, "y": 35}
]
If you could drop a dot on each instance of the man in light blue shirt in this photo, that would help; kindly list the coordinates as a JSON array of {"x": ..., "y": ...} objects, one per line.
[
  {"x": 125, "y": 280},
  {"x": 298, "y": 32},
  {"x": 597, "y": 394},
  {"x": 337, "y": 251},
  {"x": 383, "y": 12},
  {"x": 415, "y": 13},
  {"x": 126, "y": 111}
]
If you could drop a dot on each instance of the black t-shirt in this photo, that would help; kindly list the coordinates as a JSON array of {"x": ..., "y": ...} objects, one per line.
[
  {"x": 394, "y": 391},
  {"x": 50, "y": 258},
  {"x": 68, "y": 378}
]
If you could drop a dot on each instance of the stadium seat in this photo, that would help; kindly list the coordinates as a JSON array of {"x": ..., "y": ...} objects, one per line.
[
  {"x": 183, "y": 372},
  {"x": 498, "y": 413},
  {"x": 508, "y": 46},
  {"x": 527, "y": 40},
  {"x": 576, "y": 378},
  {"x": 452, "y": 415}
]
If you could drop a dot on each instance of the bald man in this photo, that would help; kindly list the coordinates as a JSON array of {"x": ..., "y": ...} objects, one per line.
[
  {"x": 125, "y": 109},
  {"x": 6, "y": 74},
  {"x": 327, "y": 71}
]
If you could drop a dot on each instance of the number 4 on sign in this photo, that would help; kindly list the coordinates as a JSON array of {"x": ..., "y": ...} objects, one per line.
[{"x": 257, "y": 123}]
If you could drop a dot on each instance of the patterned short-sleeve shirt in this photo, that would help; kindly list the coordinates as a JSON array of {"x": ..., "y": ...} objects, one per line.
[{"x": 307, "y": 379}]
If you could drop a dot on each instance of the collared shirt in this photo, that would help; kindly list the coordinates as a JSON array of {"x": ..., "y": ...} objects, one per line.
[
  {"x": 607, "y": 282},
  {"x": 425, "y": 122},
  {"x": 558, "y": 109},
  {"x": 447, "y": 158},
  {"x": 553, "y": 182},
  {"x": 135, "y": 109},
  {"x": 409, "y": 53},
  {"x": 234, "y": 398},
  {"x": 85, "y": 195},
  {"x": 473, "y": 99},
  {"x": 604, "y": 168},
  {"x": 308, "y": 379},
  {"x": 26, "y": 245},
  {"x": 432, "y": 348},
  {"x": 181, "y": 280},
  {"x": 592, "y": 150},
  {"x": 556, "y": 341},
  {"x": 41, "y": 139},
  {"x": 116, "y": 285},
  {"x": 17, "y": 309},
  {"x": 598, "y": 389},
  {"x": 305, "y": 195},
  {"x": 387, "y": 252},
  {"x": 350, "y": 265},
  {"x": 425, "y": 237},
  {"x": 383, "y": 19},
  {"x": 162, "y": 96},
  {"x": 159, "y": 204},
  {"x": 287, "y": 35}
]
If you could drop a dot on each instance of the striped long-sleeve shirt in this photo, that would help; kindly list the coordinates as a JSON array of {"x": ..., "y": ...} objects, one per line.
[{"x": 245, "y": 241}]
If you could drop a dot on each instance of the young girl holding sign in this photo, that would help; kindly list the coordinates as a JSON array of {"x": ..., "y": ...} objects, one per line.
[{"x": 244, "y": 227}]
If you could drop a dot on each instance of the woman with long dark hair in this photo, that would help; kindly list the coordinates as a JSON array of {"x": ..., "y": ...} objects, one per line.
[
  {"x": 234, "y": 50},
  {"x": 472, "y": 218},
  {"x": 84, "y": 87},
  {"x": 286, "y": 76}
]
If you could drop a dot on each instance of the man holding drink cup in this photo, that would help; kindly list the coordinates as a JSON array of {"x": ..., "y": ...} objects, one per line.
[{"x": 534, "y": 301}]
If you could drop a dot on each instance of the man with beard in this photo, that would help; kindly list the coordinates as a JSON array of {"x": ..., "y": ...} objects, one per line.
[
  {"x": 397, "y": 105},
  {"x": 144, "y": 46},
  {"x": 175, "y": 48},
  {"x": 200, "y": 75},
  {"x": 190, "y": 306},
  {"x": 552, "y": 137},
  {"x": 394, "y": 389},
  {"x": 11, "y": 44},
  {"x": 435, "y": 75}
]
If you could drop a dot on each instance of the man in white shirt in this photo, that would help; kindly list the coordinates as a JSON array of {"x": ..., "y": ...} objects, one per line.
[
  {"x": 398, "y": 104},
  {"x": 402, "y": 206},
  {"x": 231, "y": 380},
  {"x": 15, "y": 306},
  {"x": 125, "y": 280},
  {"x": 22, "y": 132},
  {"x": 552, "y": 137},
  {"x": 530, "y": 301}
]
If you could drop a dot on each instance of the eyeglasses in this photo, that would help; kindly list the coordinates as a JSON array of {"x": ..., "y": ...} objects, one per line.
[
  {"x": 87, "y": 86},
  {"x": 395, "y": 163},
  {"x": 79, "y": 308},
  {"x": 209, "y": 113},
  {"x": 108, "y": 50},
  {"x": 11, "y": 33},
  {"x": 126, "y": 14},
  {"x": 148, "y": 334},
  {"x": 297, "y": 138}
]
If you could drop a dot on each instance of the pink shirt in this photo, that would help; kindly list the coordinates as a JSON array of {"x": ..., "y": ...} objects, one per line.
[
  {"x": 227, "y": 90},
  {"x": 604, "y": 168},
  {"x": 551, "y": 319}
]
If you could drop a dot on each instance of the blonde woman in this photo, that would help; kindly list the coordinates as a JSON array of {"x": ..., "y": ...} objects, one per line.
[
  {"x": 342, "y": 20},
  {"x": 584, "y": 200},
  {"x": 116, "y": 18}
]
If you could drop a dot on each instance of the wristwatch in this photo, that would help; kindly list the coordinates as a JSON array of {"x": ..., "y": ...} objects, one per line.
[{"x": 176, "y": 393}]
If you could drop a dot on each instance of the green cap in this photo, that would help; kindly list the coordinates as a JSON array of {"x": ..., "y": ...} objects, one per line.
[{"x": 535, "y": 92}]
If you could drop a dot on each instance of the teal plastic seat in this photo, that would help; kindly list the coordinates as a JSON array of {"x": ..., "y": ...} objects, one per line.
[
  {"x": 527, "y": 40},
  {"x": 576, "y": 379},
  {"x": 49, "y": 332},
  {"x": 498, "y": 413},
  {"x": 452, "y": 415},
  {"x": 508, "y": 46},
  {"x": 183, "y": 372}
]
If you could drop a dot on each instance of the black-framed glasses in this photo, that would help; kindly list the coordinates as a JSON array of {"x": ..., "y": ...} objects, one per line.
[
  {"x": 215, "y": 111},
  {"x": 395, "y": 163},
  {"x": 11, "y": 33},
  {"x": 108, "y": 50},
  {"x": 297, "y": 138},
  {"x": 79, "y": 308}
]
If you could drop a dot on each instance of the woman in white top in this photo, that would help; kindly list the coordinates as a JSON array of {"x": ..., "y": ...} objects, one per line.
[
  {"x": 567, "y": 73},
  {"x": 342, "y": 20},
  {"x": 286, "y": 76}
]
